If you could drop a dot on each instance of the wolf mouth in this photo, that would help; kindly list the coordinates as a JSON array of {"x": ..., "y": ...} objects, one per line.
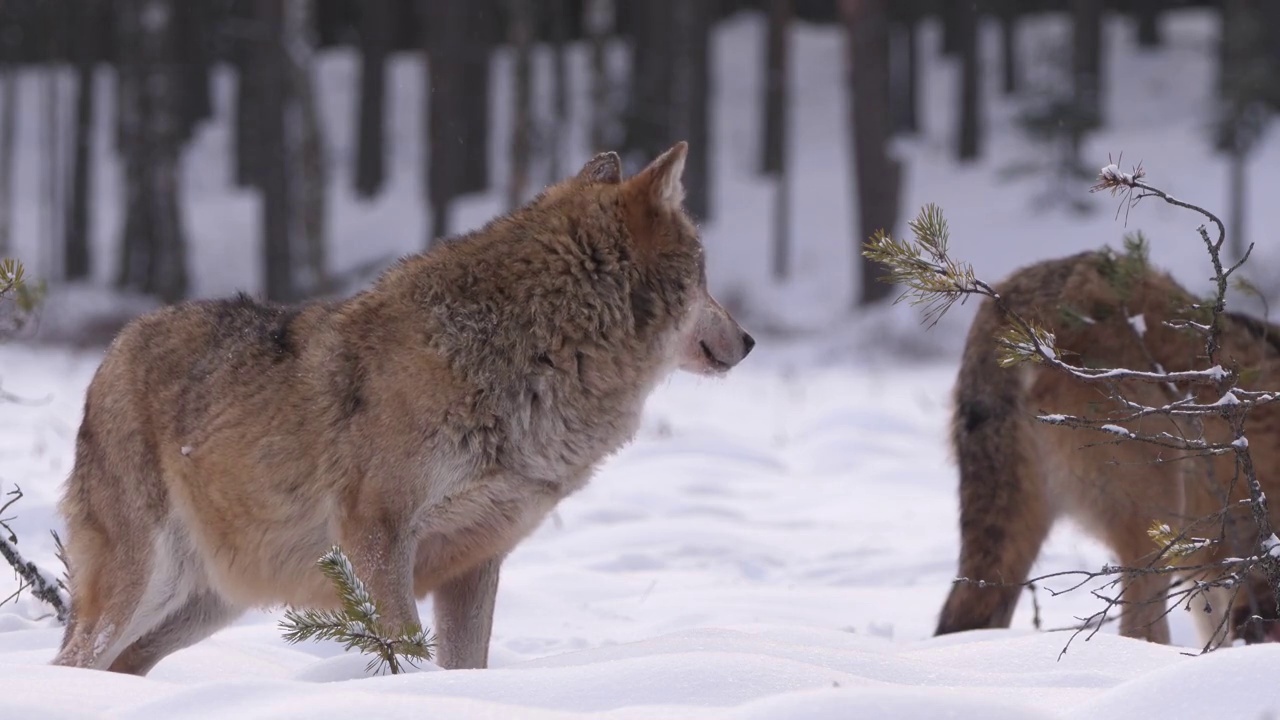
[{"x": 716, "y": 363}]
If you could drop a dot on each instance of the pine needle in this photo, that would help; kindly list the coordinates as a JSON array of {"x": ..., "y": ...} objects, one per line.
[{"x": 358, "y": 623}]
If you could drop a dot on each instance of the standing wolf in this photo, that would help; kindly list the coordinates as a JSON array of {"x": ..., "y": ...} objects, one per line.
[
  {"x": 426, "y": 425},
  {"x": 1019, "y": 475}
]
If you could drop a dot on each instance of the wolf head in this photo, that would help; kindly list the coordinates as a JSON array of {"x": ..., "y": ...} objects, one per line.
[{"x": 670, "y": 279}]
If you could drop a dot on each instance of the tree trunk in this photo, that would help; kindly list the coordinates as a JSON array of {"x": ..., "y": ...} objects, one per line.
[
  {"x": 876, "y": 173},
  {"x": 773, "y": 138},
  {"x": 76, "y": 261},
  {"x": 1086, "y": 59},
  {"x": 375, "y": 46},
  {"x": 153, "y": 242},
  {"x": 599, "y": 23},
  {"x": 649, "y": 100},
  {"x": 1009, "y": 51},
  {"x": 457, "y": 104},
  {"x": 952, "y": 16},
  {"x": 195, "y": 56},
  {"x": 904, "y": 68},
  {"x": 479, "y": 33},
  {"x": 559, "y": 11},
  {"x": 519, "y": 37},
  {"x": 689, "y": 87},
  {"x": 1148, "y": 17},
  {"x": 8, "y": 135},
  {"x": 248, "y": 111},
  {"x": 292, "y": 209},
  {"x": 309, "y": 164},
  {"x": 969, "y": 141}
]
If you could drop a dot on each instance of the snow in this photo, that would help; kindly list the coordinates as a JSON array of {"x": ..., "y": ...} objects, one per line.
[
  {"x": 1139, "y": 324},
  {"x": 1116, "y": 430},
  {"x": 775, "y": 544}
]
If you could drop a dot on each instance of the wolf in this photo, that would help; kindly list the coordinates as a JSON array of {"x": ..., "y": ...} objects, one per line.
[
  {"x": 1019, "y": 475},
  {"x": 425, "y": 425}
]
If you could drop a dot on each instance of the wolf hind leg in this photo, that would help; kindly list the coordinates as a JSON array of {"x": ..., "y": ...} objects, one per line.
[
  {"x": 204, "y": 613},
  {"x": 1004, "y": 518}
]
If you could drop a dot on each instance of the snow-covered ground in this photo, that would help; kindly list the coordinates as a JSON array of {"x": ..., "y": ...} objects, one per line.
[{"x": 774, "y": 545}]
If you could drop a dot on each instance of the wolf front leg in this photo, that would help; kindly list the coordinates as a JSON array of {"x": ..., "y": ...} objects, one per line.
[
  {"x": 382, "y": 557},
  {"x": 464, "y": 616}
]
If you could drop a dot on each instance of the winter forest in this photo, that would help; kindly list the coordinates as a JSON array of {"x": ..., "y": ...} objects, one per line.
[{"x": 778, "y": 542}]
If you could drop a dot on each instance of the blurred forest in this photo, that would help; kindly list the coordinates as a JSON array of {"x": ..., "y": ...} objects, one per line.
[{"x": 163, "y": 53}]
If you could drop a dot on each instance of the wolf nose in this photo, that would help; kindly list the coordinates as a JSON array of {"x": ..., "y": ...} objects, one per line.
[{"x": 748, "y": 342}]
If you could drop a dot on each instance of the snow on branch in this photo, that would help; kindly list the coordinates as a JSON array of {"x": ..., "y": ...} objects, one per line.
[{"x": 44, "y": 587}]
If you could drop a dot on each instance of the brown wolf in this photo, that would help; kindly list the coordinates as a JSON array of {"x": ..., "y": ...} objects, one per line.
[
  {"x": 1019, "y": 475},
  {"x": 425, "y": 425}
]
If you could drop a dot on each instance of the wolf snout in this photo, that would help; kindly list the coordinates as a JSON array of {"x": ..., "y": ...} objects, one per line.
[{"x": 723, "y": 351}]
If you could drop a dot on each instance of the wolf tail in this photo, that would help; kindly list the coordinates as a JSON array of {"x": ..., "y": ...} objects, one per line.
[{"x": 1004, "y": 517}]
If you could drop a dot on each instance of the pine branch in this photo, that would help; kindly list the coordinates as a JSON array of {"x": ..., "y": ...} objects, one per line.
[
  {"x": 357, "y": 624},
  {"x": 42, "y": 586},
  {"x": 931, "y": 277}
]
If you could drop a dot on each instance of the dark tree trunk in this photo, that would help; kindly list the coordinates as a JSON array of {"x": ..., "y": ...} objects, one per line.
[
  {"x": 904, "y": 71},
  {"x": 1086, "y": 60},
  {"x": 292, "y": 223},
  {"x": 670, "y": 86},
  {"x": 559, "y": 11},
  {"x": 271, "y": 78},
  {"x": 76, "y": 263},
  {"x": 520, "y": 38},
  {"x": 478, "y": 35},
  {"x": 773, "y": 139},
  {"x": 457, "y": 117},
  {"x": 248, "y": 111},
  {"x": 154, "y": 243},
  {"x": 1148, "y": 17},
  {"x": 690, "y": 93},
  {"x": 952, "y": 16},
  {"x": 876, "y": 173},
  {"x": 1009, "y": 51},
  {"x": 8, "y": 135},
  {"x": 649, "y": 100},
  {"x": 195, "y": 56},
  {"x": 969, "y": 137},
  {"x": 375, "y": 46},
  {"x": 598, "y": 22}
]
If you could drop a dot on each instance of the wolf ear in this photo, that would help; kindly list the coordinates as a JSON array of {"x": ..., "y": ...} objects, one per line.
[
  {"x": 662, "y": 178},
  {"x": 606, "y": 167}
]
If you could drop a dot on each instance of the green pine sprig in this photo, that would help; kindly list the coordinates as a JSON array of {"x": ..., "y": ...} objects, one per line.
[{"x": 357, "y": 624}]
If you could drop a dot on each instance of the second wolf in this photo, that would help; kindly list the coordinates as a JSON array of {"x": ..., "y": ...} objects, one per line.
[
  {"x": 426, "y": 425},
  {"x": 1018, "y": 475}
]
